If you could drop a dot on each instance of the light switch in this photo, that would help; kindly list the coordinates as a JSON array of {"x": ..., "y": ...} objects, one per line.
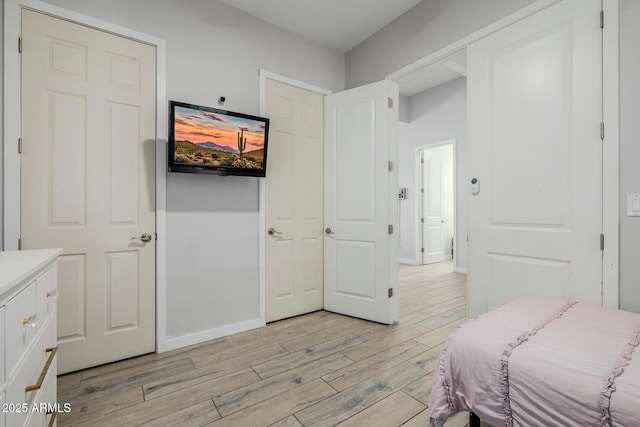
[{"x": 633, "y": 204}]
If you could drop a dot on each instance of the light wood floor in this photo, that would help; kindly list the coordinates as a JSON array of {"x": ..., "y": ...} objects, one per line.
[{"x": 320, "y": 369}]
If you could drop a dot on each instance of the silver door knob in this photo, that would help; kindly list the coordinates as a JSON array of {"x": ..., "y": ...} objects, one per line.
[
  {"x": 328, "y": 231},
  {"x": 273, "y": 231},
  {"x": 146, "y": 237}
]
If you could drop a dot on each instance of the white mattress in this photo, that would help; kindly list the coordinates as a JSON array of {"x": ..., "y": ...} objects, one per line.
[{"x": 542, "y": 362}]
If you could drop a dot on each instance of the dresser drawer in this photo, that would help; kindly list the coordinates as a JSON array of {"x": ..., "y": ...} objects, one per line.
[
  {"x": 44, "y": 408},
  {"x": 28, "y": 373},
  {"x": 20, "y": 321},
  {"x": 46, "y": 294}
]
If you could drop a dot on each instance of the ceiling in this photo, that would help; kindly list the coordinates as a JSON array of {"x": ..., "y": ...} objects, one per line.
[
  {"x": 337, "y": 24},
  {"x": 343, "y": 24}
]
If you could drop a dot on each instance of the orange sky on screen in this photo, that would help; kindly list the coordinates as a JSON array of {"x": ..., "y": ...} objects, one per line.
[{"x": 198, "y": 127}]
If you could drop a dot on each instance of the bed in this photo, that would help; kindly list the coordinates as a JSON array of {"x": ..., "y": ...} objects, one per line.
[{"x": 542, "y": 362}]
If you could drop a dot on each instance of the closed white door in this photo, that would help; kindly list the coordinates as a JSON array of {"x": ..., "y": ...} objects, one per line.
[
  {"x": 432, "y": 218},
  {"x": 88, "y": 183},
  {"x": 294, "y": 201},
  {"x": 360, "y": 189},
  {"x": 535, "y": 107}
]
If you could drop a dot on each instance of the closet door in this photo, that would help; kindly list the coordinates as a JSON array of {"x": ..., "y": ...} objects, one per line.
[{"x": 88, "y": 183}]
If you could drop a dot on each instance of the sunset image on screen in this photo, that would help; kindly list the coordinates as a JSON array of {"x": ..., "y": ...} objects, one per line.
[{"x": 214, "y": 139}]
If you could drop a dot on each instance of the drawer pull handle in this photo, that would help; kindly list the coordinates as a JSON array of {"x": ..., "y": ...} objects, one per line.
[
  {"x": 53, "y": 351},
  {"x": 31, "y": 319},
  {"x": 52, "y": 294},
  {"x": 52, "y": 420}
]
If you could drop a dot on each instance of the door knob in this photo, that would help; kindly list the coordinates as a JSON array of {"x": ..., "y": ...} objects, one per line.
[
  {"x": 328, "y": 231},
  {"x": 146, "y": 237},
  {"x": 273, "y": 231}
]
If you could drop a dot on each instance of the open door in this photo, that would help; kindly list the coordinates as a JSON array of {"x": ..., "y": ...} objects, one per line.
[
  {"x": 360, "y": 267},
  {"x": 432, "y": 218},
  {"x": 535, "y": 107}
]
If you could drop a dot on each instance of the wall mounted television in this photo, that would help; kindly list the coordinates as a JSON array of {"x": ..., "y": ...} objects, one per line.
[{"x": 212, "y": 141}]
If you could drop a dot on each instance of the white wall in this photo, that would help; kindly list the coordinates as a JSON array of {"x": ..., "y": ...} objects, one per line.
[
  {"x": 422, "y": 30},
  {"x": 212, "y": 222},
  {"x": 435, "y": 115},
  {"x": 1, "y": 126},
  {"x": 629, "y": 153}
]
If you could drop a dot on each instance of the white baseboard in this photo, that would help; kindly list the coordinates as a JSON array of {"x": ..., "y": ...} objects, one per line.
[
  {"x": 209, "y": 334},
  {"x": 461, "y": 270},
  {"x": 407, "y": 261}
]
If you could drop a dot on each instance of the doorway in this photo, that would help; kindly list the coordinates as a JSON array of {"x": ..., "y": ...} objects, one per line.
[
  {"x": 437, "y": 217},
  {"x": 359, "y": 274},
  {"x": 436, "y": 121}
]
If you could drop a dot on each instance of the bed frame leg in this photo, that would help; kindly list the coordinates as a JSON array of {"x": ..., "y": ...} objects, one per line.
[{"x": 474, "y": 420}]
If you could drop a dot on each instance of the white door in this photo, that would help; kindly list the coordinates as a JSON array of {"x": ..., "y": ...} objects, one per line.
[
  {"x": 535, "y": 107},
  {"x": 360, "y": 202},
  {"x": 432, "y": 217},
  {"x": 294, "y": 201},
  {"x": 88, "y": 183}
]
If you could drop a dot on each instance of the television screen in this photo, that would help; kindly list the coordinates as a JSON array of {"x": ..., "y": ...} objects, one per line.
[{"x": 208, "y": 140}]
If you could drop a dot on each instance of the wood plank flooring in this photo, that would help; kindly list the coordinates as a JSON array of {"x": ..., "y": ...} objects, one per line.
[{"x": 320, "y": 369}]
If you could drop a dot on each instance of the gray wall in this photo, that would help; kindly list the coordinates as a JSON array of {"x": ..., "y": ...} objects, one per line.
[
  {"x": 212, "y": 222},
  {"x": 435, "y": 115},
  {"x": 629, "y": 153},
  {"x": 429, "y": 26}
]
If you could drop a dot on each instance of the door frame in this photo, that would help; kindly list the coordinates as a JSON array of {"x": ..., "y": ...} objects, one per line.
[
  {"x": 12, "y": 119},
  {"x": 418, "y": 174},
  {"x": 611, "y": 118},
  {"x": 263, "y": 76}
]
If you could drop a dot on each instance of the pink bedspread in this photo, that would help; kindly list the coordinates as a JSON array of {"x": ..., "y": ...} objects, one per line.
[{"x": 542, "y": 362}]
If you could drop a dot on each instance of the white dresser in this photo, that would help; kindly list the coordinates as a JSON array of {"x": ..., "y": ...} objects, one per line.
[{"x": 28, "y": 293}]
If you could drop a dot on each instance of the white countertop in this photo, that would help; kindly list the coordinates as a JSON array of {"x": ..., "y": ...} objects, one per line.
[{"x": 16, "y": 266}]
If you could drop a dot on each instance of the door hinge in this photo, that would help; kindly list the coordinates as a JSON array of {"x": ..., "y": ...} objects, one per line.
[
  {"x": 422, "y": 161},
  {"x": 390, "y": 229},
  {"x": 602, "y": 242},
  {"x": 19, "y": 44},
  {"x": 422, "y": 190},
  {"x": 390, "y": 102},
  {"x": 602, "y": 131},
  {"x": 390, "y": 292},
  {"x": 422, "y": 220},
  {"x": 602, "y": 19},
  {"x": 19, "y": 244},
  {"x": 422, "y": 250},
  {"x": 19, "y": 145},
  {"x": 390, "y": 166}
]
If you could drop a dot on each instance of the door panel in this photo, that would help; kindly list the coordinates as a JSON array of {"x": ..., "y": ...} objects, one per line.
[
  {"x": 360, "y": 257},
  {"x": 67, "y": 193},
  {"x": 535, "y": 106},
  {"x": 88, "y": 183},
  {"x": 72, "y": 282},
  {"x": 294, "y": 202}
]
